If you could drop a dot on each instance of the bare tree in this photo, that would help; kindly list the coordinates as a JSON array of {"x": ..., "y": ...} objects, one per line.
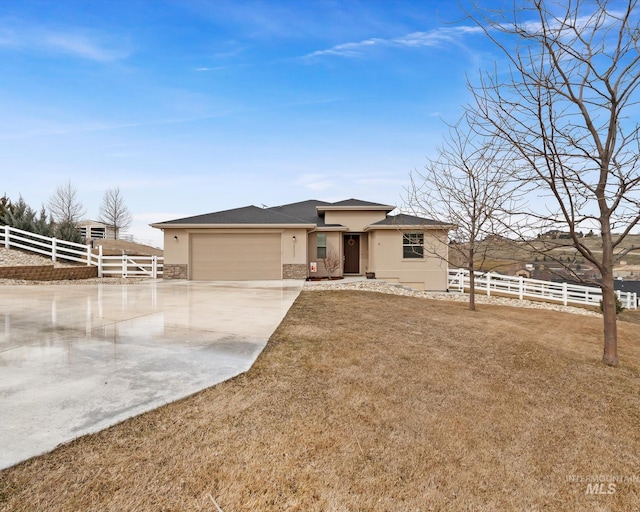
[
  {"x": 114, "y": 212},
  {"x": 566, "y": 107},
  {"x": 65, "y": 206},
  {"x": 331, "y": 263},
  {"x": 66, "y": 210},
  {"x": 469, "y": 185}
]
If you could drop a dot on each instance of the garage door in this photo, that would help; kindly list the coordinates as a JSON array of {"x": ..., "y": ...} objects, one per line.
[{"x": 236, "y": 257}]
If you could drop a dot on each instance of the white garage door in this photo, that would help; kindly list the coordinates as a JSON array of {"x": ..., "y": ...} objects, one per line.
[{"x": 235, "y": 257}]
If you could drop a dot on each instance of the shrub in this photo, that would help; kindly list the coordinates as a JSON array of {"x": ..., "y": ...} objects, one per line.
[
  {"x": 619, "y": 307},
  {"x": 21, "y": 216},
  {"x": 69, "y": 232}
]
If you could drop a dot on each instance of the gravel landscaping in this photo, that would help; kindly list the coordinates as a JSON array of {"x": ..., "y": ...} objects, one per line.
[
  {"x": 395, "y": 289},
  {"x": 14, "y": 258}
]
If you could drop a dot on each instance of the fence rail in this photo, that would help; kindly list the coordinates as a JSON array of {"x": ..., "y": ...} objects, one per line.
[
  {"x": 115, "y": 266},
  {"x": 523, "y": 288}
]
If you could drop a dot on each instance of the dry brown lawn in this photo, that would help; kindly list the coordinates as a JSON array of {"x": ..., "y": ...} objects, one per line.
[{"x": 363, "y": 401}]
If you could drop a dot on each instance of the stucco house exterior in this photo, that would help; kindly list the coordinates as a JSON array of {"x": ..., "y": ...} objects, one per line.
[{"x": 300, "y": 240}]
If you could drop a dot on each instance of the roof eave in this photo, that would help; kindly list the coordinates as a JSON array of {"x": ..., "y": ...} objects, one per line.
[
  {"x": 425, "y": 227},
  {"x": 164, "y": 225},
  {"x": 384, "y": 208},
  {"x": 321, "y": 229}
]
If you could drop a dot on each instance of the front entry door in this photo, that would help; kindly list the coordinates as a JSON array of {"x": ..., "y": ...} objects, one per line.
[{"x": 351, "y": 254}]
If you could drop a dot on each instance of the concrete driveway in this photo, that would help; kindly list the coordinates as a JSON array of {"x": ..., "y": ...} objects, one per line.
[{"x": 76, "y": 359}]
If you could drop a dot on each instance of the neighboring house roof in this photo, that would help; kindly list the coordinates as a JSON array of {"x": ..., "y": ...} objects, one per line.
[
  {"x": 92, "y": 223},
  {"x": 305, "y": 213},
  {"x": 627, "y": 286}
]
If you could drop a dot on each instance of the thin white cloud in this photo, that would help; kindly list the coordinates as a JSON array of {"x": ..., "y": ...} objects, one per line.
[
  {"x": 570, "y": 26},
  {"x": 316, "y": 182},
  {"x": 320, "y": 185},
  {"x": 81, "y": 46},
  {"x": 53, "y": 129},
  {"x": 433, "y": 38},
  {"x": 379, "y": 181},
  {"x": 235, "y": 50},
  {"x": 74, "y": 43}
]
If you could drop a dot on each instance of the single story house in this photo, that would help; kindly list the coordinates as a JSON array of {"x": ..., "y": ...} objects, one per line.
[
  {"x": 94, "y": 229},
  {"x": 306, "y": 240}
]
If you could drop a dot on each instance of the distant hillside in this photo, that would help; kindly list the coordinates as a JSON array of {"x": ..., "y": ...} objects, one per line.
[
  {"x": 507, "y": 256},
  {"x": 116, "y": 247}
]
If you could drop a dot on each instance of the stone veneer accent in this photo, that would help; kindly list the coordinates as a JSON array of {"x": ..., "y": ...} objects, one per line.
[
  {"x": 175, "y": 271},
  {"x": 294, "y": 271},
  {"x": 47, "y": 272}
]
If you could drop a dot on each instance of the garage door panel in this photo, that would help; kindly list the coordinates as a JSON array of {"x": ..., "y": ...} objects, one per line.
[{"x": 236, "y": 257}]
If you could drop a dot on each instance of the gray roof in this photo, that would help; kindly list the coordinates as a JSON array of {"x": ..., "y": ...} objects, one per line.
[
  {"x": 358, "y": 202},
  {"x": 304, "y": 212},
  {"x": 245, "y": 215},
  {"x": 407, "y": 220}
]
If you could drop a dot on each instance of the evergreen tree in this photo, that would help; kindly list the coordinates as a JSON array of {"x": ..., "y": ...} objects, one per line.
[
  {"x": 5, "y": 206},
  {"x": 68, "y": 231}
]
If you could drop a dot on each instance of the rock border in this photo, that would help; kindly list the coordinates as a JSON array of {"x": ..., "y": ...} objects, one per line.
[{"x": 397, "y": 289}]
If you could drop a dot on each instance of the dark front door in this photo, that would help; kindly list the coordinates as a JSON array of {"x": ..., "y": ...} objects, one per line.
[{"x": 351, "y": 254}]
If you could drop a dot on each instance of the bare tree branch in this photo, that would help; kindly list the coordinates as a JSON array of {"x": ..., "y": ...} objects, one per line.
[
  {"x": 65, "y": 206},
  {"x": 469, "y": 185},
  {"x": 114, "y": 212},
  {"x": 565, "y": 110}
]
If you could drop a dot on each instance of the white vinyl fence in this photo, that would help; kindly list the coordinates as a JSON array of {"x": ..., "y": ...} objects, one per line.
[
  {"x": 114, "y": 266},
  {"x": 523, "y": 288}
]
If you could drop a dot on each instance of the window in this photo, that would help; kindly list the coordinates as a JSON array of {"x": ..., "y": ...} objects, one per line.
[
  {"x": 413, "y": 245},
  {"x": 321, "y": 244}
]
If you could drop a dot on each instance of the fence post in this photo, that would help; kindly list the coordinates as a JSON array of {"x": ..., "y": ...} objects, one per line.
[
  {"x": 154, "y": 267},
  {"x": 89, "y": 255},
  {"x": 628, "y": 300},
  {"x": 488, "y": 274},
  {"x": 124, "y": 265},
  {"x": 6, "y": 237},
  {"x": 100, "y": 260},
  {"x": 54, "y": 246},
  {"x": 564, "y": 293},
  {"x": 521, "y": 288}
]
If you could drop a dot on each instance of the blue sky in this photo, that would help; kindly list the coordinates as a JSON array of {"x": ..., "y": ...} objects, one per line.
[{"x": 193, "y": 106}]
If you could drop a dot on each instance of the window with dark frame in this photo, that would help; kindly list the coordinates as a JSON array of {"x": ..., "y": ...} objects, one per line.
[
  {"x": 413, "y": 245},
  {"x": 321, "y": 245}
]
